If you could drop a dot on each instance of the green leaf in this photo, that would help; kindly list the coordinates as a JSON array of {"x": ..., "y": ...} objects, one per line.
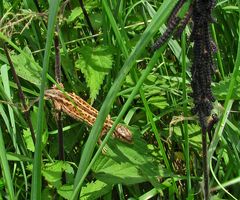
[
  {"x": 113, "y": 172},
  {"x": 47, "y": 194},
  {"x": 95, "y": 64},
  {"x": 91, "y": 191},
  {"x": 220, "y": 89},
  {"x": 26, "y": 69},
  {"x": 75, "y": 13},
  {"x": 158, "y": 101},
  {"x": 128, "y": 163},
  {"x": 28, "y": 140},
  {"x": 95, "y": 190},
  {"x": 65, "y": 191},
  {"x": 52, "y": 172},
  {"x": 96, "y": 20}
]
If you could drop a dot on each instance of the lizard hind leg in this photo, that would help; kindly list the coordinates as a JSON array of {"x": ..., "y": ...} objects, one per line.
[{"x": 104, "y": 150}]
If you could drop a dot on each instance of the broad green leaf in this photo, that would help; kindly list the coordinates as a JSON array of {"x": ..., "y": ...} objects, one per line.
[
  {"x": 195, "y": 137},
  {"x": 95, "y": 64},
  {"x": 65, "y": 191},
  {"x": 91, "y": 191},
  {"x": 95, "y": 190},
  {"x": 75, "y": 13},
  {"x": 47, "y": 194},
  {"x": 25, "y": 69},
  {"x": 128, "y": 163},
  {"x": 52, "y": 172},
  {"x": 158, "y": 101},
  {"x": 28, "y": 140},
  {"x": 220, "y": 89},
  {"x": 96, "y": 20},
  {"x": 113, "y": 172}
]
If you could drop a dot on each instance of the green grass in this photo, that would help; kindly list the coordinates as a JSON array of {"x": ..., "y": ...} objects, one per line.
[{"x": 147, "y": 92}]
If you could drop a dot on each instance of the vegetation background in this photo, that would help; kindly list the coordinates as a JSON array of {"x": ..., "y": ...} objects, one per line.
[{"x": 110, "y": 67}]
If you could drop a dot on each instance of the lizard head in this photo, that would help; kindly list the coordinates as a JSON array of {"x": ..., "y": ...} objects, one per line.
[{"x": 123, "y": 133}]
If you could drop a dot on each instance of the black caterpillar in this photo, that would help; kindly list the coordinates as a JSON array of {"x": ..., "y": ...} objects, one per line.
[
  {"x": 203, "y": 66},
  {"x": 167, "y": 34},
  {"x": 200, "y": 11}
]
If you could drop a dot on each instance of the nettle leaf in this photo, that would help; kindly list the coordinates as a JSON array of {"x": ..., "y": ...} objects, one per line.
[
  {"x": 158, "y": 101},
  {"x": 26, "y": 69},
  {"x": 91, "y": 191},
  {"x": 156, "y": 96},
  {"x": 113, "y": 172},
  {"x": 65, "y": 191},
  {"x": 96, "y": 20},
  {"x": 95, "y": 190},
  {"x": 77, "y": 13},
  {"x": 28, "y": 140},
  {"x": 129, "y": 163},
  {"x": 52, "y": 172},
  {"x": 194, "y": 132},
  {"x": 95, "y": 64},
  {"x": 46, "y": 194},
  {"x": 220, "y": 89}
]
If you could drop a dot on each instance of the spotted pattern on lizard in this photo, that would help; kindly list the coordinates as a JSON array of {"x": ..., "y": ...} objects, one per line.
[{"x": 77, "y": 108}]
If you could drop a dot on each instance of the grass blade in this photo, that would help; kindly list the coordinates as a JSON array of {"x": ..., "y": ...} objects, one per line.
[
  {"x": 36, "y": 177},
  {"x": 185, "y": 126},
  {"x": 5, "y": 168}
]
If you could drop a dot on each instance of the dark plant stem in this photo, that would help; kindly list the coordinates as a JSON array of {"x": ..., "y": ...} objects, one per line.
[
  {"x": 61, "y": 155},
  {"x": 20, "y": 93},
  {"x": 87, "y": 19},
  {"x": 1, "y": 9},
  {"x": 37, "y": 5},
  {"x": 202, "y": 69},
  {"x": 57, "y": 59},
  {"x": 58, "y": 113},
  {"x": 205, "y": 164}
]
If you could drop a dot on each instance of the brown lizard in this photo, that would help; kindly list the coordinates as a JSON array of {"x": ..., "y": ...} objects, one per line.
[{"x": 77, "y": 108}]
